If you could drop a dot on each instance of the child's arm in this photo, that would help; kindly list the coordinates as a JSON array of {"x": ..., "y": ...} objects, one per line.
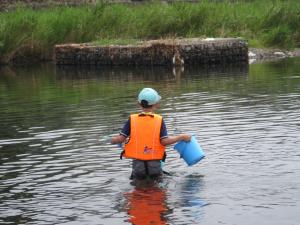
[
  {"x": 118, "y": 139},
  {"x": 173, "y": 139}
]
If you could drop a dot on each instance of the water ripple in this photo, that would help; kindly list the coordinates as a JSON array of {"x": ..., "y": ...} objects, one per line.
[{"x": 58, "y": 167}]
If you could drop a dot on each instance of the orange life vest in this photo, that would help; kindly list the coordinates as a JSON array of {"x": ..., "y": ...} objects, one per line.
[{"x": 144, "y": 142}]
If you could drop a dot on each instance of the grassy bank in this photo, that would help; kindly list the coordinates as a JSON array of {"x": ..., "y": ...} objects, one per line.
[{"x": 268, "y": 23}]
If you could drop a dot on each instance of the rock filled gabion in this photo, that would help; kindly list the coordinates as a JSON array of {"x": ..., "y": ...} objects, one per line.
[
  {"x": 11, "y": 4},
  {"x": 157, "y": 52}
]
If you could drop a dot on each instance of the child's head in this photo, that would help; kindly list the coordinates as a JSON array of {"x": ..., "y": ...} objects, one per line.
[{"x": 149, "y": 99}]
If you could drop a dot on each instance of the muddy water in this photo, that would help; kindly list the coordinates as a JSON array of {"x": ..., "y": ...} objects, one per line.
[{"x": 57, "y": 166}]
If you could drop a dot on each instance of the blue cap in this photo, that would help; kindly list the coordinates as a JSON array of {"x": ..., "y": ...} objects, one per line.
[{"x": 150, "y": 95}]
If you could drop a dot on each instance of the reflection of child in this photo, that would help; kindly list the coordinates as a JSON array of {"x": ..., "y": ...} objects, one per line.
[
  {"x": 148, "y": 137},
  {"x": 147, "y": 206}
]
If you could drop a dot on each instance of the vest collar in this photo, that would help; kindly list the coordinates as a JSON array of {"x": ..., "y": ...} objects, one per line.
[{"x": 151, "y": 114}]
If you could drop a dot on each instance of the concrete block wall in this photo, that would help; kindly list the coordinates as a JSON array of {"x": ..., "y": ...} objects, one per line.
[
  {"x": 156, "y": 52},
  {"x": 10, "y": 4}
]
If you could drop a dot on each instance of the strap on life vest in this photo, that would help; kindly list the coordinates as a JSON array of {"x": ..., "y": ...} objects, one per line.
[
  {"x": 122, "y": 153},
  {"x": 163, "y": 159},
  {"x": 146, "y": 114}
]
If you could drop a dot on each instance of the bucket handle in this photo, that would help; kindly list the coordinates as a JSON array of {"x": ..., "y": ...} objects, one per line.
[{"x": 181, "y": 152}]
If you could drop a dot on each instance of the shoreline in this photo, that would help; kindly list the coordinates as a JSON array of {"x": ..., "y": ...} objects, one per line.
[
  {"x": 255, "y": 55},
  {"x": 259, "y": 55}
]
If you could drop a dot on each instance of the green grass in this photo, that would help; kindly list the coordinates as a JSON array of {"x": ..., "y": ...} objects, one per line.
[
  {"x": 105, "y": 41},
  {"x": 268, "y": 23}
]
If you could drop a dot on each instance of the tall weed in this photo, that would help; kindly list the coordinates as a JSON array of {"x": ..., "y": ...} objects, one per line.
[{"x": 269, "y": 23}]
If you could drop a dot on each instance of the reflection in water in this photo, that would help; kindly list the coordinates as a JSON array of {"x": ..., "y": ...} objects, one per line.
[
  {"x": 187, "y": 199},
  {"x": 57, "y": 167},
  {"x": 156, "y": 74},
  {"x": 191, "y": 187},
  {"x": 147, "y": 205},
  {"x": 191, "y": 190}
]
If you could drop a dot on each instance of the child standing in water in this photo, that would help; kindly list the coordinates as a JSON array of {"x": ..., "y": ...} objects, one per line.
[{"x": 146, "y": 136}]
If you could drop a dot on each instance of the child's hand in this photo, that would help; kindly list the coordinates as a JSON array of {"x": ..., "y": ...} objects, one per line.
[
  {"x": 117, "y": 139},
  {"x": 185, "y": 137}
]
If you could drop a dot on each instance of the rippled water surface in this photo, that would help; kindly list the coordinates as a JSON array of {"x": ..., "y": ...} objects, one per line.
[{"x": 57, "y": 166}]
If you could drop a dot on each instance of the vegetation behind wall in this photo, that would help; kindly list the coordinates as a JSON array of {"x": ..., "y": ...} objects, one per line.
[{"x": 29, "y": 33}]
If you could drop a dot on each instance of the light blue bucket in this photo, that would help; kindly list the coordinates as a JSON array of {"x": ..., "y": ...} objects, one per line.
[{"x": 190, "y": 151}]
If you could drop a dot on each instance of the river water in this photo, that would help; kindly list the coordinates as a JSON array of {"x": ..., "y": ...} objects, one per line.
[{"x": 57, "y": 166}]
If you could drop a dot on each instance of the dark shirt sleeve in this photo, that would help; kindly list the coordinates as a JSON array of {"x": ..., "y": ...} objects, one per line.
[
  {"x": 126, "y": 129},
  {"x": 163, "y": 130}
]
